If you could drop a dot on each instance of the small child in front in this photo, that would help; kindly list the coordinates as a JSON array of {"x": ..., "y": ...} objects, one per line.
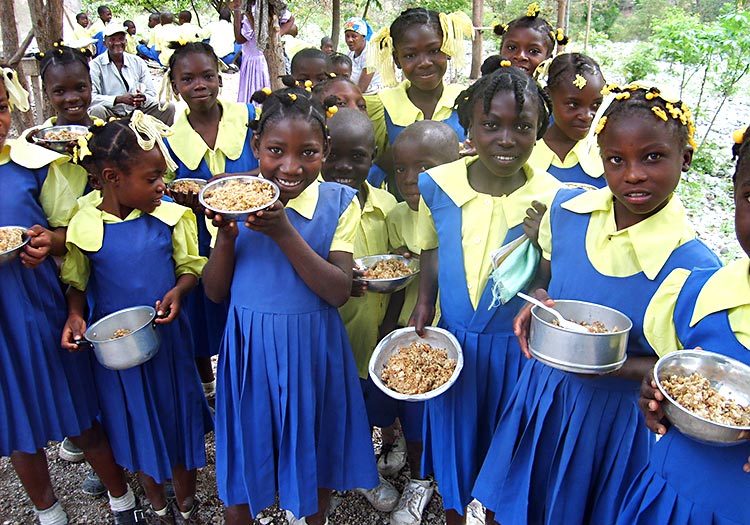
[
  {"x": 133, "y": 249},
  {"x": 340, "y": 92},
  {"x": 420, "y": 147},
  {"x": 290, "y": 418},
  {"x": 309, "y": 64},
  {"x": 568, "y": 447},
  {"x": 687, "y": 482},
  {"x": 352, "y": 152}
]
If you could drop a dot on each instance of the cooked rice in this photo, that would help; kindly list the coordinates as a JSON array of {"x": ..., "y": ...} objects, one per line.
[
  {"x": 121, "y": 332},
  {"x": 240, "y": 195},
  {"x": 695, "y": 393},
  {"x": 10, "y": 238},
  {"x": 63, "y": 134},
  {"x": 185, "y": 186},
  {"x": 597, "y": 327},
  {"x": 388, "y": 269},
  {"x": 417, "y": 369}
]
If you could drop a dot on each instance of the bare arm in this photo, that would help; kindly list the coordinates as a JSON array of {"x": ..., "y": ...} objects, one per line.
[
  {"x": 424, "y": 311},
  {"x": 219, "y": 270},
  {"x": 538, "y": 289},
  {"x": 364, "y": 79},
  {"x": 235, "y": 6}
]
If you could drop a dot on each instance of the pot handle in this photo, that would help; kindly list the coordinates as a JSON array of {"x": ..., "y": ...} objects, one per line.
[
  {"x": 83, "y": 343},
  {"x": 162, "y": 316}
]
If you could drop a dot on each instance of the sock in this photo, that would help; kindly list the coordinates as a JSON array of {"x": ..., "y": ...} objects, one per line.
[
  {"x": 162, "y": 512},
  {"x": 209, "y": 389},
  {"x": 124, "y": 502},
  {"x": 186, "y": 515},
  {"x": 55, "y": 515}
]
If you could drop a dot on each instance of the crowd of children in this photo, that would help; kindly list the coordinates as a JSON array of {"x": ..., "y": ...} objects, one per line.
[{"x": 519, "y": 156}]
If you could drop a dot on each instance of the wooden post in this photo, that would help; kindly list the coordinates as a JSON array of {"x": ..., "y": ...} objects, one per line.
[
  {"x": 562, "y": 19},
  {"x": 477, "y": 12},
  {"x": 335, "y": 23},
  {"x": 274, "y": 53},
  {"x": 21, "y": 121},
  {"x": 588, "y": 27}
]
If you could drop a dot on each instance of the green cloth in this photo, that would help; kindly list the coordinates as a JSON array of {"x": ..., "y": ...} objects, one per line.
[{"x": 517, "y": 266}]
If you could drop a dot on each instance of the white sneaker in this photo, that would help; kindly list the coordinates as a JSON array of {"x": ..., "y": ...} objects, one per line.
[
  {"x": 414, "y": 500},
  {"x": 291, "y": 520},
  {"x": 475, "y": 513},
  {"x": 384, "y": 497},
  {"x": 393, "y": 457}
]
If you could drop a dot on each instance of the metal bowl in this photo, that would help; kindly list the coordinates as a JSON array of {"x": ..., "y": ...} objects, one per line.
[
  {"x": 11, "y": 254},
  {"x": 386, "y": 285},
  {"x": 583, "y": 353},
  {"x": 238, "y": 216},
  {"x": 130, "y": 350},
  {"x": 199, "y": 182},
  {"x": 729, "y": 376},
  {"x": 435, "y": 337},
  {"x": 60, "y": 146}
]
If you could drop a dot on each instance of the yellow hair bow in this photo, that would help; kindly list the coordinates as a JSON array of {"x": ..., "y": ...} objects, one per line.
[
  {"x": 153, "y": 130},
  {"x": 18, "y": 97},
  {"x": 331, "y": 111},
  {"x": 533, "y": 10},
  {"x": 380, "y": 57}
]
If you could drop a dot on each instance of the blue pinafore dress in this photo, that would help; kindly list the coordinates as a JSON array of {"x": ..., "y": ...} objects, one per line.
[
  {"x": 568, "y": 447},
  {"x": 289, "y": 410},
  {"x": 155, "y": 414},
  {"x": 575, "y": 174},
  {"x": 687, "y": 482},
  {"x": 377, "y": 176},
  {"x": 46, "y": 392},
  {"x": 459, "y": 423},
  {"x": 207, "y": 319}
]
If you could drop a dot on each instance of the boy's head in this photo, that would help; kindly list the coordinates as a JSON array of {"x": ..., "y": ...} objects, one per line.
[
  {"x": 154, "y": 19},
  {"x": 340, "y": 92},
  {"x": 225, "y": 14},
  {"x": 742, "y": 193},
  {"x": 104, "y": 13},
  {"x": 421, "y": 146},
  {"x": 130, "y": 26},
  {"x": 166, "y": 18},
  {"x": 326, "y": 45},
  {"x": 82, "y": 19},
  {"x": 309, "y": 64},
  {"x": 339, "y": 64},
  {"x": 184, "y": 17},
  {"x": 352, "y": 148}
]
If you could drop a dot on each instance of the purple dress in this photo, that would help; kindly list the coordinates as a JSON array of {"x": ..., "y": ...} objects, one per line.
[{"x": 254, "y": 69}]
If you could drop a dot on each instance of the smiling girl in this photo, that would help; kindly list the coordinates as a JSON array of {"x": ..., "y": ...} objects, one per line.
[{"x": 290, "y": 418}]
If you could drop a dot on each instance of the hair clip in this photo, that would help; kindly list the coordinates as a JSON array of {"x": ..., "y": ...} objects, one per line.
[
  {"x": 579, "y": 82},
  {"x": 600, "y": 125},
  {"x": 533, "y": 10},
  {"x": 182, "y": 42},
  {"x": 623, "y": 96},
  {"x": 56, "y": 44},
  {"x": 331, "y": 111},
  {"x": 81, "y": 149},
  {"x": 292, "y": 96},
  {"x": 267, "y": 90},
  {"x": 660, "y": 113},
  {"x": 609, "y": 88},
  {"x": 41, "y": 55},
  {"x": 83, "y": 50},
  {"x": 505, "y": 63},
  {"x": 98, "y": 122}
]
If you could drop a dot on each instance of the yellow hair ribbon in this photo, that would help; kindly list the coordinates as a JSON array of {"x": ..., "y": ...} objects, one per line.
[
  {"x": 267, "y": 90},
  {"x": 533, "y": 10},
  {"x": 456, "y": 27},
  {"x": 505, "y": 63},
  {"x": 293, "y": 97},
  {"x": 579, "y": 82},
  {"x": 609, "y": 88},
  {"x": 166, "y": 93},
  {"x": 331, "y": 111},
  {"x": 81, "y": 149},
  {"x": 380, "y": 57},
  {"x": 18, "y": 97},
  {"x": 600, "y": 125},
  {"x": 623, "y": 96},
  {"x": 659, "y": 112},
  {"x": 154, "y": 130}
]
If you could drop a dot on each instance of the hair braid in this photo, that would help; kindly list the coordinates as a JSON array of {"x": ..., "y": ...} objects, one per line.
[
  {"x": 62, "y": 55},
  {"x": 565, "y": 67}
]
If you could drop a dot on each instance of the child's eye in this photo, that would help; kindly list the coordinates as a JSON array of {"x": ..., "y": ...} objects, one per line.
[
  {"x": 4, "y": 108},
  {"x": 489, "y": 125},
  {"x": 654, "y": 156},
  {"x": 400, "y": 169},
  {"x": 614, "y": 159},
  {"x": 310, "y": 152},
  {"x": 572, "y": 105},
  {"x": 535, "y": 51},
  {"x": 524, "y": 126},
  {"x": 275, "y": 150}
]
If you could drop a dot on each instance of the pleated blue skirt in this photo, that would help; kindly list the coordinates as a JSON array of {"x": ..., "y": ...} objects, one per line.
[
  {"x": 566, "y": 450},
  {"x": 155, "y": 414},
  {"x": 207, "y": 320},
  {"x": 46, "y": 393},
  {"x": 289, "y": 411},
  {"x": 689, "y": 483},
  {"x": 459, "y": 424}
]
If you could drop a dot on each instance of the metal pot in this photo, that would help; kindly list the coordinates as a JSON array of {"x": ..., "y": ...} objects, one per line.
[
  {"x": 583, "y": 353},
  {"x": 132, "y": 349}
]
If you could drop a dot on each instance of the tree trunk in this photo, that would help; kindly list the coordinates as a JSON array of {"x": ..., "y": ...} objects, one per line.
[
  {"x": 21, "y": 121},
  {"x": 274, "y": 53},
  {"x": 562, "y": 19},
  {"x": 367, "y": 8},
  {"x": 588, "y": 26},
  {"x": 477, "y": 12},
  {"x": 335, "y": 22},
  {"x": 47, "y": 21}
]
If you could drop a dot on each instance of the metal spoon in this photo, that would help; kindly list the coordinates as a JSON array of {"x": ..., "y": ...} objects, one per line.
[{"x": 564, "y": 323}]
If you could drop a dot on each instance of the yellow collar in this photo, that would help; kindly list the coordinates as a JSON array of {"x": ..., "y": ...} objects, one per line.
[
  {"x": 585, "y": 153},
  {"x": 403, "y": 112},
  {"x": 190, "y": 147},
  {"x": 377, "y": 199},
  {"x": 306, "y": 202},
  {"x": 30, "y": 155},
  {"x": 653, "y": 239},
  {"x": 726, "y": 289},
  {"x": 454, "y": 181}
]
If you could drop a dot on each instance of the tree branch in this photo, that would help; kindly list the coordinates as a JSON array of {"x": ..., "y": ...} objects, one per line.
[{"x": 18, "y": 56}]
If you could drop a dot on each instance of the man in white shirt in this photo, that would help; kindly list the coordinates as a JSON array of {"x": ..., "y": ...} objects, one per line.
[{"x": 121, "y": 82}]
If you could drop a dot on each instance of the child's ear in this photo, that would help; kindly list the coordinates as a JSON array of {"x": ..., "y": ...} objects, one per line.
[
  {"x": 374, "y": 153},
  {"x": 221, "y": 81},
  {"x": 687, "y": 157},
  {"x": 255, "y": 144},
  {"x": 395, "y": 60},
  {"x": 110, "y": 176}
]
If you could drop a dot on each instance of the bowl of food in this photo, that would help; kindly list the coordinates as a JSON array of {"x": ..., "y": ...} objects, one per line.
[
  {"x": 386, "y": 273},
  {"x": 237, "y": 197},
  {"x": 125, "y": 338},
  {"x": 412, "y": 368},
  {"x": 13, "y": 239},
  {"x": 186, "y": 186},
  {"x": 600, "y": 350},
  {"x": 57, "y": 138},
  {"x": 706, "y": 395}
]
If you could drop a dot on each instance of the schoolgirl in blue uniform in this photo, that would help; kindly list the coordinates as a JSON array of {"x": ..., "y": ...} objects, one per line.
[
  {"x": 567, "y": 151},
  {"x": 209, "y": 137},
  {"x": 47, "y": 392},
  {"x": 417, "y": 44},
  {"x": 290, "y": 418},
  {"x": 687, "y": 482},
  {"x": 133, "y": 249},
  {"x": 469, "y": 208},
  {"x": 567, "y": 447}
]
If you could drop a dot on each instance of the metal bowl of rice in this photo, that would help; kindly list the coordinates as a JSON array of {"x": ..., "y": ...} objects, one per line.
[
  {"x": 57, "y": 138},
  {"x": 13, "y": 239},
  {"x": 395, "y": 280},
  {"x": 237, "y": 197}
]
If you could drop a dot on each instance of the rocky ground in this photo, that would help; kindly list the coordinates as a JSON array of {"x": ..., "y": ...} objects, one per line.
[{"x": 707, "y": 197}]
